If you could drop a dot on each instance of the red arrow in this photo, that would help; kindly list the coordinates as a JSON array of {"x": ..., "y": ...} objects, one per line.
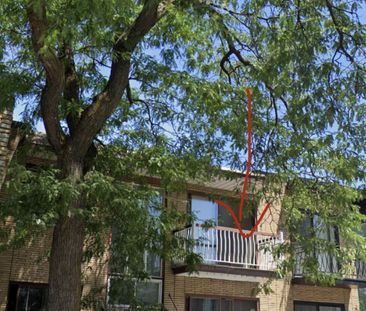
[{"x": 249, "y": 158}]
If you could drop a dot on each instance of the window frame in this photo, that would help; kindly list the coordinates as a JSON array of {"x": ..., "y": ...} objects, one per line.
[
  {"x": 313, "y": 226},
  {"x": 252, "y": 217},
  {"x": 12, "y": 306},
  {"x": 159, "y": 281},
  {"x": 151, "y": 279},
  {"x": 319, "y": 304},
  {"x": 217, "y": 297}
]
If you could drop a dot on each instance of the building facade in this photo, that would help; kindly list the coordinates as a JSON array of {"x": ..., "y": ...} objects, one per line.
[{"x": 232, "y": 268}]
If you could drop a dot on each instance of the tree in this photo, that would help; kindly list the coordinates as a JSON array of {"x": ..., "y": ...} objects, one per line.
[{"x": 159, "y": 84}]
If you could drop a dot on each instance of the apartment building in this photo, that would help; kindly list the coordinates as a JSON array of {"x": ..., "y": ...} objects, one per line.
[{"x": 232, "y": 265}]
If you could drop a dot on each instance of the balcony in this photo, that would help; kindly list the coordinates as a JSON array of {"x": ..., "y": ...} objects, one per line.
[
  {"x": 328, "y": 264},
  {"x": 225, "y": 247}
]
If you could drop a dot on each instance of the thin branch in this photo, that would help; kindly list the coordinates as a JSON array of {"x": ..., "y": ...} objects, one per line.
[
  {"x": 340, "y": 32},
  {"x": 229, "y": 38}
]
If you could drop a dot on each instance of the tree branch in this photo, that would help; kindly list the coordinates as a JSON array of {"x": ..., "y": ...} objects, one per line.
[
  {"x": 229, "y": 38},
  {"x": 52, "y": 91},
  {"x": 93, "y": 118},
  {"x": 71, "y": 92},
  {"x": 340, "y": 32}
]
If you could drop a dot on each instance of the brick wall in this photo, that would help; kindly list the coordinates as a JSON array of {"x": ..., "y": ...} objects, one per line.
[
  {"x": 178, "y": 288},
  {"x": 5, "y": 257},
  {"x": 30, "y": 264},
  {"x": 5, "y": 131}
]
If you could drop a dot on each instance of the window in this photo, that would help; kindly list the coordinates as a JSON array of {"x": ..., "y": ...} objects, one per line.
[
  {"x": 26, "y": 297},
  {"x": 362, "y": 298},
  {"x": 316, "y": 306},
  {"x": 205, "y": 209},
  {"x": 221, "y": 304},
  {"x": 326, "y": 261},
  {"x": 123, "y": 293}
]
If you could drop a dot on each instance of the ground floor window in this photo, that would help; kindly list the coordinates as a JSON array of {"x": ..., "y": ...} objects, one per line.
[
  {"x": 125, "y": 294},
  {"x": 220, "y": 304},
  {"x": 26, "y": 297},
  {"x": 362, "y": 298},
  {"x": 317, "y": 306}
]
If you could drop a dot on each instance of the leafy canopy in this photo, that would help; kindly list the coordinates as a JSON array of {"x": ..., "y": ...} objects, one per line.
[{"x": 182, "y": 114}]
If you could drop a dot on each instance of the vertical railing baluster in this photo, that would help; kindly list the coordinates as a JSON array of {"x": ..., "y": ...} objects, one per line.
[
  {"x": 225, "y": 242},
  {"x": 250, "y": 253},
  {"x": 242, "y": 249},
  {"x": 216, "y": 243},
  {"x": 230, "y": 246},
  {"x": 212, "y": 243},
  {"x": 234, "y": 245}
]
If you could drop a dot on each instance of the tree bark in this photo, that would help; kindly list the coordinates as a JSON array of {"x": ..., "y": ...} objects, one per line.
[
  {"x": 67, "y": 251},
  {"x": 65, "y": 265}
]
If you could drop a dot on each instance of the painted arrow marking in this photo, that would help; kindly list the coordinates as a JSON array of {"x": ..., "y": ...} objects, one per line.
[{"x": 249, "y": 158}]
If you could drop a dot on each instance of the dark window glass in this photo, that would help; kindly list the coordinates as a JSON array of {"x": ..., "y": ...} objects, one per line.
[
  {"x": 310, "y": 306},
  {"x": 124, "y": 292},
  {"x": 245, "y": 305},
  {"x": 362, "y": 298},
  {"x": 204, "y": 304},
  {"x": 26, "y": 297},
  {"x": 225, "y": 219},
  {"x": 148, "y": 293},
  {"x": 223, "y": 304},
  {"x": 226, "y": 305},
  {"x": 120, "y": 292},
  {"x": 305, "y": 307},
  {"x": 326, "y": 308},
  {"x": 153, "y": 265}
]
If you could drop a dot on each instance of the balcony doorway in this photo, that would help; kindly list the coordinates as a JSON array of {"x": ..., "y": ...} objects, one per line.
[{"x": 223, "y": 245}]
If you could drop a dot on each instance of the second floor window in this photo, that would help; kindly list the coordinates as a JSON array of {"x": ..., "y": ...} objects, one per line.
[
  {"x": 314, "y": 226},
  {"x": 205, "y": 210}
]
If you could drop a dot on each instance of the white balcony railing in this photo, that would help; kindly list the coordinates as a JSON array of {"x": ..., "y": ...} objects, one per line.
[
  {"x": 225, "y": 246},
  {"x": 328, "y": 264}
]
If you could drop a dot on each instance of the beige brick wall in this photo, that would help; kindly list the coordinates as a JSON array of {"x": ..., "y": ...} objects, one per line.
[
  {"x": 94, "y": 280},
  {"x": 5, "y": 264},
  {"x": 178, "y": 288},
  {"x": 28, "y": 264},
  {"x": 271, "y": 220},
  {"x": 5, "y": 131}
]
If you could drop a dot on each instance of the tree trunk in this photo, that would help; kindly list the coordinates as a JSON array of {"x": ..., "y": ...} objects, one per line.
[{"x": 67, "y": 251}]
